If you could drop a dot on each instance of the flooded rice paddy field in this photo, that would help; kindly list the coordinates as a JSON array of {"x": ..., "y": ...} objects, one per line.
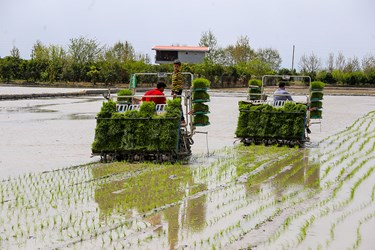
[{"x": 53, "y": 195}]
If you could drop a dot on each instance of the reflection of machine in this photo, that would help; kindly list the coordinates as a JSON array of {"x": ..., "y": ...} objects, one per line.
[
  {"x": 159, "y": 136},
  {"x": 265, "y": 119}
]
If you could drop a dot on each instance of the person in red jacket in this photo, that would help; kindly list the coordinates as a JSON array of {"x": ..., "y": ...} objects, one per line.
[{"x": 156, "y": 95}]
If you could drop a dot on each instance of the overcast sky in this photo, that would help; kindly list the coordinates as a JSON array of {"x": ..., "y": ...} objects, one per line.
[{"x": 313, "y": 26}]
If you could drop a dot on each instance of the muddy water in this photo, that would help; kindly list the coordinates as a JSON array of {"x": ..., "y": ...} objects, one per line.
[{"x": 259, "y": 197}]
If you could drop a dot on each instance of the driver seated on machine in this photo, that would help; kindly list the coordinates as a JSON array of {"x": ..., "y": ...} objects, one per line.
[
  {"x": 156, "y": 95},
  {"x": 281, "y": 94}
]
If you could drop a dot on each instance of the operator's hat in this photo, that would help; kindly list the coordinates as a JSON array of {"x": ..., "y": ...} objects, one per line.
[{"x": 177, "y": 62}]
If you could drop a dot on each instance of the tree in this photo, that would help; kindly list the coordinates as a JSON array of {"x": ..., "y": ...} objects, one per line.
[
  {"x": 82, "y": 53},
  {"x": 368, "y": 64},
  {"x": 142, "y": 57},
  {"x": 258, "y": 67},
  {"x": 340, "y": 62},
  {"x": 241, "y": 52},
  {"x": 224, "y": 57},
  {"x": 56, "y": 62},
  {"x": 331, "y": 62},
  {"x": 270, "y": 56},
  {"x": 15, "y": 61},
  {"x": 352, "y": 65},
  {"x": 10, "y": 66},
  {"x": 208, "y": 39},
  {"x": 39, "y": 51},
  {"x": 39, "y": 60},
  {"x": 83, "y": 50},
  {"x": 120, "y": 52},
  {"x": 15, "y": 53},
  {"x": 310, "y": 64},
  {"x": 6, "y": 69}
]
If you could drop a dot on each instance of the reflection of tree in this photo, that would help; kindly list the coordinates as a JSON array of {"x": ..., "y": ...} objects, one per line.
[
  {"x": 148, "y": 190},
  {"x": 153, "y": 188}
]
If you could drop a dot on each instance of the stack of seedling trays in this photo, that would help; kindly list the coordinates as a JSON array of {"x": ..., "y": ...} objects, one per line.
[
  {"x": 199, "y": 98},
  {"x": 137, "y": 131},
  {"x": 255, "y": 89},
  {"x": 265, "y": 123},
  {"x": 316, "y": 98}
]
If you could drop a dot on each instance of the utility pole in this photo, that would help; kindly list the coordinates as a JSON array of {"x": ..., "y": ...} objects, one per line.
[{"x": 293, "y": 60}]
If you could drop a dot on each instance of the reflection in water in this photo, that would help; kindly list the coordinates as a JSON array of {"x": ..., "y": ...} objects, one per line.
[
  {"x": 291, "y": 168},
  {"x": 188, "y": 202},
  {"x": 148, "y": 191},
  {"x": 209, "y": 204},
  {"x": 79, "y": 116},
  {"x": 28, "y": 109}
]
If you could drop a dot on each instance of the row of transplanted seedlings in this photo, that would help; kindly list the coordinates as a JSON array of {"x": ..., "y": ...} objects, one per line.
[
  {"x": 39, "y": 209},
  {"x": 42, "y": 209},
  {"x": 323, "y": 178},
  {"x": 348, "y": 176}
]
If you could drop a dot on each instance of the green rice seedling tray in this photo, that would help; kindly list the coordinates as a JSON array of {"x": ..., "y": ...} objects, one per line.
[{"x": 265, "y": 121}]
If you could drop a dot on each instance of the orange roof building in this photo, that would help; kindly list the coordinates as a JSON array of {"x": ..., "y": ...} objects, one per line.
[{"x": 186, "y": 54}]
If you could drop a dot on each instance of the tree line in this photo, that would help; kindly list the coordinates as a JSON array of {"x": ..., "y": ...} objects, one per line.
[{"x": 86, "y": 60}]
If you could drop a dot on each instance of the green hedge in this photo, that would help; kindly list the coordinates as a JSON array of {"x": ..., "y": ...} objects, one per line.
[
  {"x": 134, "y": 130},
  {"x": 265, "y": 121}
]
